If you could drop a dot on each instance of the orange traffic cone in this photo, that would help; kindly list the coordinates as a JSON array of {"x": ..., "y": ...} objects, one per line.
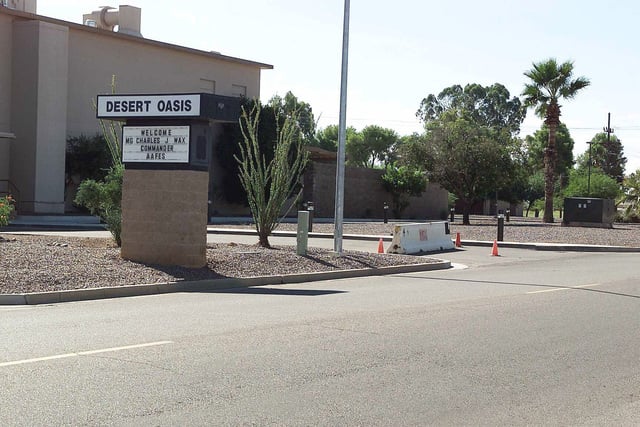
[
  {"x": 380, "y": 247},
  {"x": 494, "y": 251},
  {"x": 458, "y": 242}
]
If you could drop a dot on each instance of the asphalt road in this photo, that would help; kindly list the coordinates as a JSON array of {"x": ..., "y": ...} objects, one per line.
[{"x": 527, "y": 338}]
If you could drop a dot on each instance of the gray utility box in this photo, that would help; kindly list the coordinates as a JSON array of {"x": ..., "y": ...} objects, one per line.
[{"x": 589, "y": 212}]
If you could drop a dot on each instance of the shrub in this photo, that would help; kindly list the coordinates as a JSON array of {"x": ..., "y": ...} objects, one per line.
[
  {"x": 104, "y": 198},
  {"x": 6, "y": 208}
]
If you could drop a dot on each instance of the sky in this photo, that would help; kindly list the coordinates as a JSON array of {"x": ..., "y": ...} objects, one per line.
[{"x": 402, "y": 51}]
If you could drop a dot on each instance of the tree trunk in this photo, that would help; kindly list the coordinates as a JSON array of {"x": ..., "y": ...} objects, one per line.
[
  {"x": 552, "y": 121},
  {"x": 549, "y": 180},
  {"x": 466, "y": 212},
  {"x": 263, "y": 239},
  {"x": 263, "y": 235}
]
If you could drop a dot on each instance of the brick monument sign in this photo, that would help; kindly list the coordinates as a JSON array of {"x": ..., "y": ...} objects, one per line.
[{"x": 166, "y": 149}]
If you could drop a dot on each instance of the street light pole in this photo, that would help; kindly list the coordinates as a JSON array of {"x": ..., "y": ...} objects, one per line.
[
  {"x": 589, "y": 171},
  {"x": 342, "y": 132}
]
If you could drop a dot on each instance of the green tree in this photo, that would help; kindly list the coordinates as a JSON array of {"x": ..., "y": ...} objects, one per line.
[
  {"x": 375, "y": 145},
  {"x": 468, "y": 160},
  {"x": 87, "y": 157},
  {"x": 268, "y": 184},
  {"x": 403, "y": 182},
  {"x": 411, "y": 151},
  {"x": 489, "y": 106},
  {"x": 516, "y": 185},
  {"x": 228, "y": 149},
  {"x": 632, "y": 196},
  {"x": 601, "y": 185},
  {"x": 290, "y": 106},
  {"x": 535, "y": 146},
  {"x": 550, "y": 82},
  {"x": 461, "y": 116},
  {"x": 327, "y": 138},
  {"x": 534, "y": 190},
  {"x": 606, "y": 154}
]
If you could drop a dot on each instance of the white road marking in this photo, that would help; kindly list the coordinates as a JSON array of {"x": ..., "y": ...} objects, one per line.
[
  {"x": 83, "y": 353},
  {"x": 457, "y": 266},
  {"x": 566, "y": 288}
]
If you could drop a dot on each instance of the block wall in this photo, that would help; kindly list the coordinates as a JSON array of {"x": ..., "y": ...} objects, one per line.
[
  {"x": 164, "y": 217},
  {"x": 364, "y": 195}
]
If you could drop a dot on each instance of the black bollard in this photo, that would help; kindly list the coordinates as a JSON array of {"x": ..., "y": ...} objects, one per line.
[
  {"x": 386, "y": 213},
  {"x": 311, "y": 209},
  {"x": 452, "y": 215},
  {"x": 500, "y": 228},
  {"x": 508, "y": 215}
]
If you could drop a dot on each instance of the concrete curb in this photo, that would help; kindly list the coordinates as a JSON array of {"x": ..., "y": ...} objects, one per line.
[
  {"x": 248, "y": 232},
  {"x": 560, "y": 247},
  {"x": 208, "y": 285},
  {"x": 53, "y": 227}
]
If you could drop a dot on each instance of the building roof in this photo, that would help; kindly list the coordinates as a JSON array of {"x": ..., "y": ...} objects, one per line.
[
  {"x": 321, "y": 155},
  {"x": 106, "y": 33}
]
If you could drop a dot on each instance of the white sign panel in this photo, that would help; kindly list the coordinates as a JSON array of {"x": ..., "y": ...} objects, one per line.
[
  {"x": 149, "y": 105},
  {"x": 155, "y": 144}
]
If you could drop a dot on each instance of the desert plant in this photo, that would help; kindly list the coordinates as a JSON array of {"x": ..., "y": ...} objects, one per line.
[{"x": 269, "y": 184}]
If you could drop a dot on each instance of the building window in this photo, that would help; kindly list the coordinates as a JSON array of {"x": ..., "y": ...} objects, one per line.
[
  {"x": 208, "y": 86},
  {"x": 238, "y": 90}
]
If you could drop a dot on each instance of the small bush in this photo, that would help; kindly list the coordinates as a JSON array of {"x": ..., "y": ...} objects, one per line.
[
  {"x": 104, "y": 198},
  {"x": 6, "y": 208}
]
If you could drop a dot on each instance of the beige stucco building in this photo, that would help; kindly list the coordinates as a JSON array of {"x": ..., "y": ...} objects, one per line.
[{"x": 51, "y": 70}]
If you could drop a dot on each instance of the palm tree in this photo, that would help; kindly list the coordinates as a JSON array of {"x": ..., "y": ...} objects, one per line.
[
  {"x": 632, "y": 196},
  {"x": 550, "y": 81}
]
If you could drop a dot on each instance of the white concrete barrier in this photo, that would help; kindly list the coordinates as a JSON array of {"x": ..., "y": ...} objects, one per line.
[{"x": 421, "y": 237}]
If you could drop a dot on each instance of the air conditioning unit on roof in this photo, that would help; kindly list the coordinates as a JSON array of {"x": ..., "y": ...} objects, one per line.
[
  {"x": 28, "y": 6},
  {"x": 126, "y": 18}
]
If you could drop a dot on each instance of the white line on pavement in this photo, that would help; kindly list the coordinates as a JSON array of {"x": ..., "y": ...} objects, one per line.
[
  {"x": 566, "y": 288},
  {"x": 83, "y": 353}
]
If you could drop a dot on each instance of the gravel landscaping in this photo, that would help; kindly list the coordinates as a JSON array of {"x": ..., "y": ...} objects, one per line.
[
  {"x": 485, "y": 229},
  {"x": 36, "y": 263}
]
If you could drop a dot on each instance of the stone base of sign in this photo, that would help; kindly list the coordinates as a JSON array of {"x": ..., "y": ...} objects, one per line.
[{"x": 164, "y": 217}]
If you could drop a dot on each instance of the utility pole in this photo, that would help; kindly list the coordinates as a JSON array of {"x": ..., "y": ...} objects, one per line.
[
  {"x": 342, "y": 132},
  {"x": 609, "y": 153},
  {"x": 589, "y": 173},
  {"x": 608, "y": 129}
]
